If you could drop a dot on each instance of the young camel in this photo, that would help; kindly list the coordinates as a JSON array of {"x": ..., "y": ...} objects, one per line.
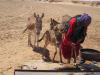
[
  {"x": 53, "y": 36},
  {"x": 34, "y": 26}
]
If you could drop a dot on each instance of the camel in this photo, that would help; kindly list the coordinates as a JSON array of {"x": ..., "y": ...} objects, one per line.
[
  {"x": 34, "y": 24},
  {"x": 53, "y": 36}
]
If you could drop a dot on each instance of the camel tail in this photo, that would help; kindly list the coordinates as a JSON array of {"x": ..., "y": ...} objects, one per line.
[
  {"x": 42, "y": 37},
  {"x": 24, "y": 30}
]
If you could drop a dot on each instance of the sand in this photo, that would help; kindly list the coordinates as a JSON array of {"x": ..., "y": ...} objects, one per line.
[{"x": 14, "y": 50}]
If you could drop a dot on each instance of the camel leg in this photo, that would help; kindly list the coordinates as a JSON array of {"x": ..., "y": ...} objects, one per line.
[
  {"x": 34, "y": 38},
  {"x": 55, "y": 52},
  {"x": 29, "y": 39},
  {"x": 46, "y": 43},
  {"x": 60, "y": 55},
  {"x": 37, "y": 38}
]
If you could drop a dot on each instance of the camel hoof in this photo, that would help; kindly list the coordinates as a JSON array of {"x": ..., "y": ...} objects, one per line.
[
  {"x": 29, "y": 44},
  {"x": 53, "y": 61},
  {"x": 61, "y": 61},
  {"x": 46, "y": 59},
  {"x": 75, "y": 64}
]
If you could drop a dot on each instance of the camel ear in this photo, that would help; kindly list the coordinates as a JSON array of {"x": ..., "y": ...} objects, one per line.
[
  {"x": 42, "y": 15},
  {"x": 51, "y": 19},
  {"x": 34, "y": 14},
  {"x": 56, "y": 22}
]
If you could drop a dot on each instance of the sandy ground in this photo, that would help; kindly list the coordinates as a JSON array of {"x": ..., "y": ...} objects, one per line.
[{"x": 13, "y": 15}]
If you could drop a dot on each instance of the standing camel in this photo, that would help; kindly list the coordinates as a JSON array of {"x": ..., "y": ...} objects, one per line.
[
  {"x": 34, "y": 24},
  {"x": 52, "y": 36}
]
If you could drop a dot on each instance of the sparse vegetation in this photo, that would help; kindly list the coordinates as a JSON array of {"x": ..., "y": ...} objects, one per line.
[
  {"x": 93, "y": 3},
  {"x": 74, "y": 1}
]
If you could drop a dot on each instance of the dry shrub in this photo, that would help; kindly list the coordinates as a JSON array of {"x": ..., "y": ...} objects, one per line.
[
  {"x": 98, "y": 3},
  {"x": 83, "y": 2},
  {"x": 54, "y": 0},
  {"x": 95, "y": 3},
  {"x": 73, "y": 1}
]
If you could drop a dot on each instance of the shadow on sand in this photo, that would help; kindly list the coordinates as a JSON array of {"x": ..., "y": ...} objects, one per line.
[
  {"x": 45, "y": 54},
  {"x": 87, "y": 54},
  {"x": 91, "y": 54},
  {"x": 81, "y": 68}
]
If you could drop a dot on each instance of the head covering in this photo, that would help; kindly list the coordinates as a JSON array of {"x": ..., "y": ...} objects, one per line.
[{"x": 85, "y": 19}]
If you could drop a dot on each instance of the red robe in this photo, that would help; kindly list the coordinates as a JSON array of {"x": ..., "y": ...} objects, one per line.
[{"x": 66, "y": 45}]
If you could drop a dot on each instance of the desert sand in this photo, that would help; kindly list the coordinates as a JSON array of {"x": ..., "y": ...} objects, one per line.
[{"x": 13, "y": 17}]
